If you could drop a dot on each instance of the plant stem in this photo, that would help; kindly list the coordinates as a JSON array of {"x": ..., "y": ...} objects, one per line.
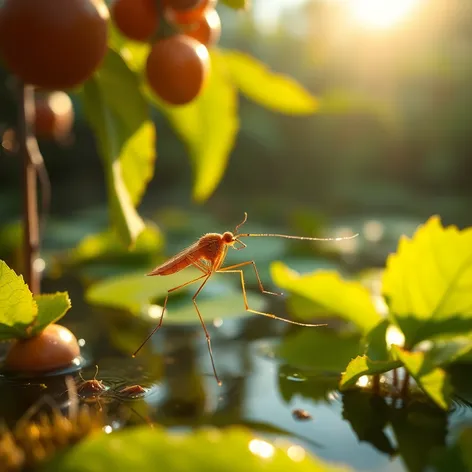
[
  {"x": 30, "y": 197},
  {"x": 395, "y": 378},
  {"x": 406, "y": 383},
  {"x": 376, "y": 384}
]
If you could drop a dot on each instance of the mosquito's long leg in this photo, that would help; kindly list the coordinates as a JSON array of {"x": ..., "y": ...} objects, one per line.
[
  {"x": 164, "y": 308},
  {"x": 242, "y": 264},
  {"x": 199, "y": 265},
  {"x": 270, "y": 315},
  {"x": 194, "y": 299}
]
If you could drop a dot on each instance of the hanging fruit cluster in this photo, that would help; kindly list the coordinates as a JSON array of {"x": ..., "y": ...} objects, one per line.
[
  {"x": 180, "y": 32},
  {"x": 53, "y": 45}
]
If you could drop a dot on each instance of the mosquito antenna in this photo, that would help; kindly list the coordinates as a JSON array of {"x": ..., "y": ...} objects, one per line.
[
  {"x": 96, "y": 372},
  {"x": 240, "y": 224},
  {"x": 245, "y": 235}
]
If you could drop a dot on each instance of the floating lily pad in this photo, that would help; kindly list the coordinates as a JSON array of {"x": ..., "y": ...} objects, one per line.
[{"x": 143, "y": 296}]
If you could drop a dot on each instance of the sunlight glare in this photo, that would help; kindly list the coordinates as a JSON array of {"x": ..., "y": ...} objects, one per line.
[
  {"x": 394, "y": 336},
  {"x": 381, "y": 13},
  {"x": 261, "y": 448}
]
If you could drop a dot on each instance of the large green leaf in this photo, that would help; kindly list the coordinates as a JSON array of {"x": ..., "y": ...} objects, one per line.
[
  {"x": 431, "y": 379},
  {"x": 428, "y": 282},
  {"x": 346, "y": 299},
  {"x": 319, "y": 348},
  {"x": 51, "y": 307},
  {"x": 449, "y": 350},
  {"x": 143, "y": 448},
  {"x": 134, "y": 53},
  {"x": 106, "y": 246},
  {"x": 270, "y": 90},
  {"x": 119, "y": 116},
  {"x": 208, "y": 126},
  {"x": 17, "y": 307},
  {"x": 361, "y": 366},
  {"x": 237, "y": 4},
  {"x": 137, "y": 293},
  {"x": 375, "y": 341}
]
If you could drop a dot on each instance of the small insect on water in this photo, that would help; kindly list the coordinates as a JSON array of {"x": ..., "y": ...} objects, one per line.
[
  {"x": 91, "y": 388},
  {"x": 208, "y": 254}
]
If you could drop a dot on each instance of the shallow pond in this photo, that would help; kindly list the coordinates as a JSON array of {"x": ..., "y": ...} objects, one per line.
[{"x": 260, "y": 388}]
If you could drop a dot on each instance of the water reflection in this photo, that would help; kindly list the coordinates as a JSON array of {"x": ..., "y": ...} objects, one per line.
[{"x": 260, "y": 391}]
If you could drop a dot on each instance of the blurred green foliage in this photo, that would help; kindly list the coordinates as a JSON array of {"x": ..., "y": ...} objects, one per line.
[
  {"x": 141, "y": 448},
  {"x": 425, "y": 288}
]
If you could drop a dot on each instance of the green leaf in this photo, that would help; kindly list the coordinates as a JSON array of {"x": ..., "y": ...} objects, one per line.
[
  {"x": 449, "y": 350},
  {"x": 348, "y": 300},
  {"x": 17, "y": 307},
  {"x": 141, "y": 448},
  {"x": 427, "y": 282},
  {"x": 273, "y": 91},
  {"x": 137, "y": 293},
  {"x": 362, "y": 365},
  {"x": 320, "y": 348},
  {"x": 119, "y": 116},
  {"x": 134, "y": 53},
  {"x": 236, "y": 4},
  {"x": 208, "y": 126},
  {"x": 431, "y": 379},
  {"x": 51, "y": 307},
  {"x": 376, "y": 342},
  {"x": 106, "y": 246}
]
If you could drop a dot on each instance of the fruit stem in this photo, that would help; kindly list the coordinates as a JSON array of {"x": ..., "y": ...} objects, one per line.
[
  {"x": 165, "y": 29},
  {"x": 30, "y": 198}
]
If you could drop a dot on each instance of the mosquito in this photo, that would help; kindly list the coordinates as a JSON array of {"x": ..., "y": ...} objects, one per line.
[{"x": 208, "y": 255}]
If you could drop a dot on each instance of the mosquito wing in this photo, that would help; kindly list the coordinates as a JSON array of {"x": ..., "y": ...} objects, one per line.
[{"x": 180, "y": 261}]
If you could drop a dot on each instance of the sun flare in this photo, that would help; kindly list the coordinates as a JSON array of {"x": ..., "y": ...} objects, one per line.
[{"x": 381, "y": 13}]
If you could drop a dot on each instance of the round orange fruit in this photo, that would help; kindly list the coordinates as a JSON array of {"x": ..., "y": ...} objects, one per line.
[
  {"x": 136, "y": 19},
  {"x": 177, "y": 68},
  {"x": 54, "y": 44},
  {"x": 187, "y": 15},
  {"x": 53, "y": 348},
  {"x": 207, "y": 30}
]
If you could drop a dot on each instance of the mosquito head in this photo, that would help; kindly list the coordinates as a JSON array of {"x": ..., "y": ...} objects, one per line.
[{"x": 228, "y": 238}]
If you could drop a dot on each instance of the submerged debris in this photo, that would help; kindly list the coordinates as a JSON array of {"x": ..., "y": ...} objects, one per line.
[
  {"x": 132, "y": 391},
  {"x": 301, "y": 415}
]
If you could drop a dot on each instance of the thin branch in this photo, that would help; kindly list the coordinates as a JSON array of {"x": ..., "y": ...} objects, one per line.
[{"x": 30, "y": 197}]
